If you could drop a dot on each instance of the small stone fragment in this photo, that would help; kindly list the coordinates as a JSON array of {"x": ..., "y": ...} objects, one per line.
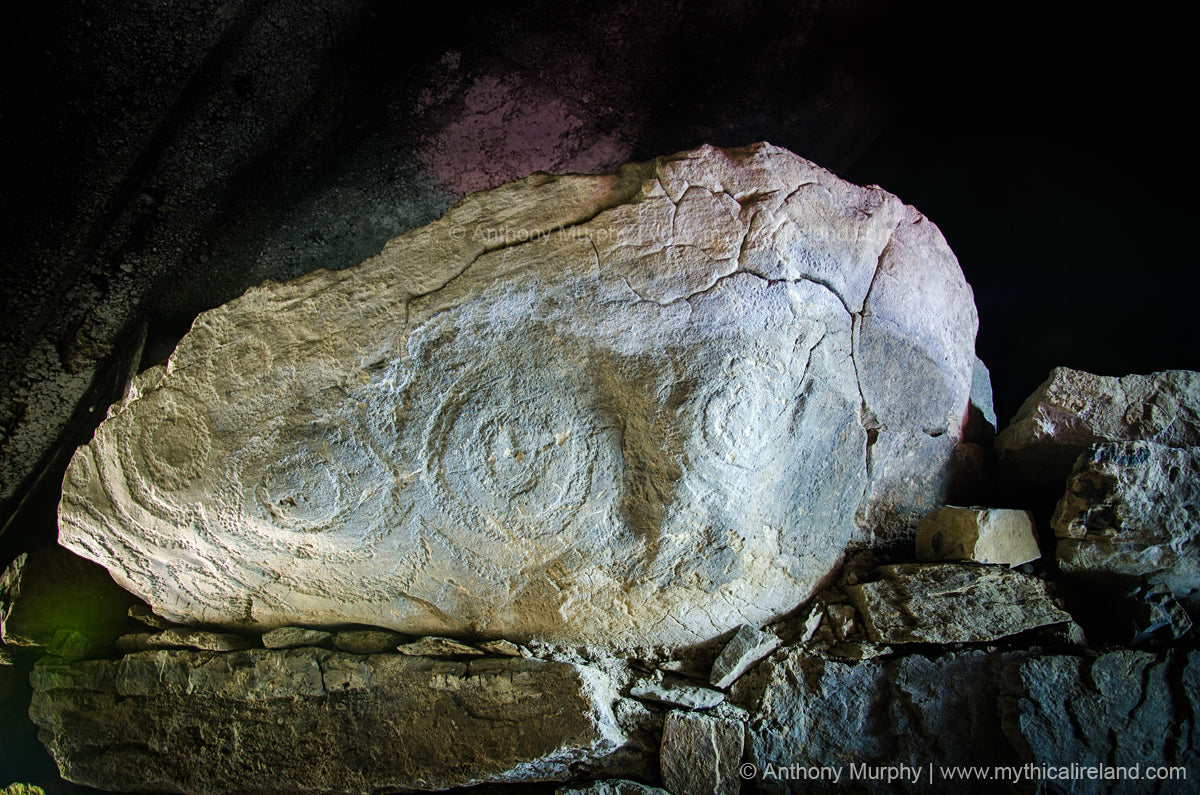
[
  {"x": 811, "y": 625},
  {"x": 1160, "y": 615},
  {"x": 177, "y": 638},
  {"x": 986, "y": 535},
  {"x": 368, "y": 641},
  {"x": 747, "y": 646},
  {"x": 981, "y": 417},
  {"x": 701, "y": 754},
  {"x": 505, "y": 648},
  {"x": 678, "y": 694},
  {"x": 841, "y": 620},
  {"x": 293, "y": 637},
  {"x": 611, "y": 787},
  {"x": 6, "y": 657},
  {"x": 144, "y": 614},
  {"x": 952, "y": 603},
  {"x": 432, "y": 646}
]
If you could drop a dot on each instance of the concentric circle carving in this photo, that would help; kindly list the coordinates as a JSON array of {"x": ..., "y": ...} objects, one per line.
[
  {"x": 745, "y": 416},
  {"x": 509, "y": 449},
  {"x": 171, "y": 440}
]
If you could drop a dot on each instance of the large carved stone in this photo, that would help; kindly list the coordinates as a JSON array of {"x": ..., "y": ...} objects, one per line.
[{"x": 634, "y": 409}]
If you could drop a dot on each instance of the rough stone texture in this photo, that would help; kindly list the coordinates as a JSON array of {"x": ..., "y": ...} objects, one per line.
[
  {"x": 368, "y": 641},
  {"x": 293, "y": 637},
  {"x": 438, "y": 647},
  {"x": 1160, "y": 616},
  {"x": 310, "y": 720},
  {"x": 701, "y": 754},
  {"x": 911, "y": 710},
  {"x": 631, "y": 409},
  {"x": 611, "y": 787},
  {"x": 1073, "y": 410},
  {"x": 984, "y": 535},
  {"x": 972, "y": 708},
  {"x": 50, "y": 589},
  {"x": 505, "y": 648},
  {"x": 678, "y": 694},
  {"x": 201, "y": 640},
  {"x": 747, "y": 646},
  {"x": 1118, "y": 709},
  {"x": 145, "y": 615},
  {"x": 983, "y": 410},
  {"x": 71, "y": 645},
  {"x": 1132, "y": 510},
  {"x": 952, "y": 603},
  {"x": 842, "y": 621},
  {"x": 17, "y": 788}
]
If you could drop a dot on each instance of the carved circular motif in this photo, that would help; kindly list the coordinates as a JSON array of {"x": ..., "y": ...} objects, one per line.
[
  {"x": 745, "y": 416},
  {"x": 171, "y": 440},
  {"x": 302, "y": 493},
  {"x": 511, "y": 449}
]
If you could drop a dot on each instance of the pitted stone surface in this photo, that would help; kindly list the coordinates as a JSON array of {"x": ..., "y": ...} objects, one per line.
[
  {"x": 1132, "y": 510},
  {"x": 1073, "y": 410},
  {"x": 638, "y": 409}
]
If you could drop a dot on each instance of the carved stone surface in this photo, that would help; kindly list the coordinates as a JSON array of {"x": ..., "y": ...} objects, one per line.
[
  {"x": 310, "y": 720},
  {"x": 621, "y": 410}
]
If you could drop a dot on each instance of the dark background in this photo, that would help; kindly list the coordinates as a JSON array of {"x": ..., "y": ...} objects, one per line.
[{"x": 158, "y": 159}]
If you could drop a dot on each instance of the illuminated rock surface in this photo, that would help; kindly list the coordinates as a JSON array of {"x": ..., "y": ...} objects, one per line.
[
  {"x": 626, "y": 410},
  {"x": 951, "y": 603},
  {"x": 986, "y": 535}
]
